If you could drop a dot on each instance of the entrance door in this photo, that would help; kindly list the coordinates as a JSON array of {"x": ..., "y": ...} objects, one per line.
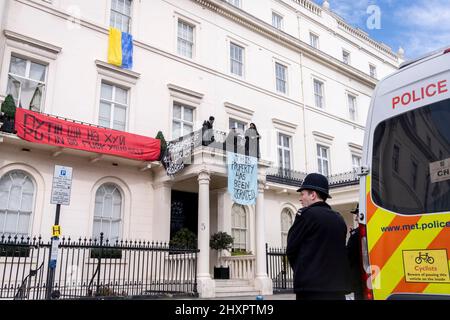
[{"x": 183, "y": 212}]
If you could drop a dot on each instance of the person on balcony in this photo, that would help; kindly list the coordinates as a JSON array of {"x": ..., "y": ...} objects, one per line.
[
  {"x": 316, "y": 245},
  {"x": 207, "y": 131},
  {"x": 252, "y": 141}
]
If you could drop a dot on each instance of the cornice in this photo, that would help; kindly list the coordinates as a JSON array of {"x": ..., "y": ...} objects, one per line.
[
  {"x": 11, "y": 35},
  {"x": 284, "y": 39},
  {"x": 369, "y": 41}
]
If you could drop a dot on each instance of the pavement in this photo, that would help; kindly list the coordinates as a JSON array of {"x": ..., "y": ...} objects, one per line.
[{"x": 280, "y": 296}]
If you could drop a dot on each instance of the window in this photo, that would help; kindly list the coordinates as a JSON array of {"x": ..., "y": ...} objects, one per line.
[
  {"x": 373, "y": 71},
  {"x": 16, "y": 203},
  {"x": 396, "y": 157},
  {"x": 419, "y": 187},
  {"x": 236, "y": 3},
  {"x": 185, "y": 40},
  {"x": 323, "y": 160},
  {"x": 286, "y": 223},
  {"x": 277, "y": 20},
  {"x": 314, "y": 40},
  {"x": 239, "y": 227},
  {"x": 318, "y": 94},
  {"x": 356, "y": 162},
  {"x": 281, "y": 77},
  {"x": 108, "y": 212},
  {"x": 345, "y": 56},
  {"x": 236, "y": 59},
  {"x": 351, "y": 100},
  {"x": 239, "y": 125},
  {"x": 26, "y": 83},
  {"x": 113, "y": 107},
  {"x": 284, "y": 152},
  {"x": 182, "y": 120},
  {"x": 121, "y": 15}
]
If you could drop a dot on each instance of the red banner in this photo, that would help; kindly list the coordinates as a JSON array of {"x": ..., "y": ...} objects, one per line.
[{"x": 39, "y": 128}]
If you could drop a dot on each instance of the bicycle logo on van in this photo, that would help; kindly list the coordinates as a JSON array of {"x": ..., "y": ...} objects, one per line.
[{"x": 424, "y": 257}]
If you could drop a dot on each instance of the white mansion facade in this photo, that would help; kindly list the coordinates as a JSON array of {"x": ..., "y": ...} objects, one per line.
[{"x": 295, "y": 69}]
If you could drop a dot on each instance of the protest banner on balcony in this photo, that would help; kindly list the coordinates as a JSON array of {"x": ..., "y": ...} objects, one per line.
[
  {"x": 242, "y": 178},
  {"x": 43, "y": 129}
]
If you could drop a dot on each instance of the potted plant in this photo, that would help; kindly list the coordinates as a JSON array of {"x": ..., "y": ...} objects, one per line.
[
  {"x": 221, "y": 241},
  {"x": 8, "y": 109},
  {"x": 163, "y": 143},
  {"x": 183, "y": 239}
]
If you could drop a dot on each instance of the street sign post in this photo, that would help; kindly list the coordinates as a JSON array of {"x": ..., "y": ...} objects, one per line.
[{"x": 61, "y": 187}]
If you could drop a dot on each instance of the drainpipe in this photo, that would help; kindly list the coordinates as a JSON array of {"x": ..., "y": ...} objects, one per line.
[{"x": 303, "y": 97}]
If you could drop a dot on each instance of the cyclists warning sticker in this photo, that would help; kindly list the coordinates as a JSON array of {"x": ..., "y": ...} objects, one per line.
[{"x": 426, "y": 265}]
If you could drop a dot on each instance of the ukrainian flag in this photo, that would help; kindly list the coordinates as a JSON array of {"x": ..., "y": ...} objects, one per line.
[{"x": 120, "y": 48}]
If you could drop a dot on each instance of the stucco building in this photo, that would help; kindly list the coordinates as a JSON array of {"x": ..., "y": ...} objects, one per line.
[{"x": 295, "y": 69}]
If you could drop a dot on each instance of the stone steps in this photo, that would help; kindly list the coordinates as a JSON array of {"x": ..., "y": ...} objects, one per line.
[{"x": 230, "y": 288}]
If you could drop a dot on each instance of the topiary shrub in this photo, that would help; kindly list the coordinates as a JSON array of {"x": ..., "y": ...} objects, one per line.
[
  {"x": 9, "y": 107},
  {"x": 163, "y": 143},
  {"x": 184, "y": 239}
]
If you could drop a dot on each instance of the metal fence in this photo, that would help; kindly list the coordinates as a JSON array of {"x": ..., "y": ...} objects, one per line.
[
  {"x": 279, "y": 270},
  {"x": 94, "y": 268}
]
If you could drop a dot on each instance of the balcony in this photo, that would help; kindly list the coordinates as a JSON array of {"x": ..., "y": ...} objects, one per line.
[
  {"x": 295, "y": 178},
  {"x": 182, "y": 149}
]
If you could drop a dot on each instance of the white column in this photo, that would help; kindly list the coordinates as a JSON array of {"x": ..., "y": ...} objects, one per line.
[
  {"x": 205, "y": 285},
  {"x": 262, "y": 281}
]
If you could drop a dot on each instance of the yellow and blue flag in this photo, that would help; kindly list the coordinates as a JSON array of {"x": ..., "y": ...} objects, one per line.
[{"x": 120, "y": 48}]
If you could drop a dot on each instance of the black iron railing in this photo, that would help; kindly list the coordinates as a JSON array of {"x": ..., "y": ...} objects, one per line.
[
  {"x": 295, "y": 178},
  {"x": 95, "y": 268},
  {"x": 279, "y": 270}
]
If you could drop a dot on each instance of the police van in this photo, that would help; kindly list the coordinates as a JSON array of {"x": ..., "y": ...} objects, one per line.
[{"x": 405, "y": 183}]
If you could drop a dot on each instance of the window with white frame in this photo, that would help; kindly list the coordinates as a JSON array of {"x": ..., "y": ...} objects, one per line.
[
  {"x": 281, "y": 77},
  {"x": 277, "y": 20},
  {"x": 108, "y": 212},
  {"x": 351, "y": 101},
  {"x": 236, "y": 124},
  {"x": 287, "y": 218},
  {"x": 182, "y": 120},
  {"x": 236, "y": 3},
  {"x": 239, "y": 227},
  {"x": 113, "y": 107},
  {"x": 185, "y": 39},
  {"x": 121, "y": 15},
  {"x": 314, "y": 40},
  {"x": 16, "y": 203},
  {"x": 356, "y": 162},
  {"x": 318, "y": 94},
  {"x": 323, "y": 166},
  {"x": 26, "y": 83},
  {"x": 236, "y": 59},
  {"x": 284, "y": 151},
  {"x": 373, "y": 71},
  {"x": 345, "y": 56}
]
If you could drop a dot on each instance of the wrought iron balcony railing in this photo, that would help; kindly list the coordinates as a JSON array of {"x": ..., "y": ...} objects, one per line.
[{"x": 295, "y": 178}]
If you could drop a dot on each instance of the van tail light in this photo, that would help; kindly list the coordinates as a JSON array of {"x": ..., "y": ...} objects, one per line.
[
  {"x": 447, "y": 51},
  {"x": 366, "y": 272}
]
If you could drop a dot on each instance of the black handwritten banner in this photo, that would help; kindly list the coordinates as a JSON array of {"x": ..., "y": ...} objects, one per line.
[
  {"x": 242, "y": 178},
  {"x": 180, "y": 153},
  {"x": 39, "y": 128}
]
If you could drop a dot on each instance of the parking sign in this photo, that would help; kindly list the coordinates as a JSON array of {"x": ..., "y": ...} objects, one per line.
[{"x": 62, "y": 185}]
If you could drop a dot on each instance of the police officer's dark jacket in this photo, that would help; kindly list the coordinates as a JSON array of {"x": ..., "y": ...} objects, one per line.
[{"x": 316, "y": 250}]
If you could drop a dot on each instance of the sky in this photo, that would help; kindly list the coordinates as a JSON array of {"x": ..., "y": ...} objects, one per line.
[{"x": 418, "y": 26}]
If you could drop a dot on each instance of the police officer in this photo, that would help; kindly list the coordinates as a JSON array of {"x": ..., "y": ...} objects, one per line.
[
  {"x": 355, "y": 259},
  {"x": 316, "y": 245}
]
